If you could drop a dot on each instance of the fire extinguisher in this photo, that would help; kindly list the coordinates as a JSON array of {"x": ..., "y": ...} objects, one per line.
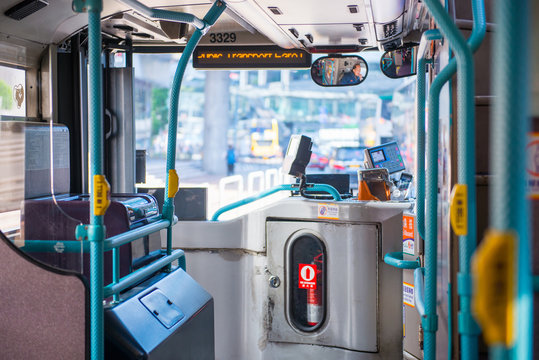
[{"x": 315, "y": 305}]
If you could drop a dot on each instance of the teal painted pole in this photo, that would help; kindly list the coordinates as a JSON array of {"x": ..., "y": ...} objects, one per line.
[
  {"x": 466, "y": 175},
  {"x": 95, "y": 232},
  {"x": 115, "y": 272},
  {"x": 426, "y": 38},
  {"x": 211, "y": 17},
  {"x": 396, "y": 259},
  {"x": 97, "y": 236},
  {"x": 510, "y": 124}
]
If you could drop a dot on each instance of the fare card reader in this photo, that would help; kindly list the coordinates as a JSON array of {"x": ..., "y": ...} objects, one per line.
[{"x": 388, "y": 156}]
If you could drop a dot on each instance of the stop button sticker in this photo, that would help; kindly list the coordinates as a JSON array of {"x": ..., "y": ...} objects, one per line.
[{"x": 307, "y": 276}]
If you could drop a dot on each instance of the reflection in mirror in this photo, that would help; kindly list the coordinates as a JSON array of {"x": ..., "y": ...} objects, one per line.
[
  {"x": 338, "y": 70},
  {"x": 399, "y": 63}
]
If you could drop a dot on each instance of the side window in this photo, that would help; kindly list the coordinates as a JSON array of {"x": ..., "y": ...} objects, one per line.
[{"x": 12, "y": 91}]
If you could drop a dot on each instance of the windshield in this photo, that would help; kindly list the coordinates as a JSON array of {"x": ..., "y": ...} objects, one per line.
[
  {"x": 351, "y": 154},
  {"x": 239, "y": 122}
]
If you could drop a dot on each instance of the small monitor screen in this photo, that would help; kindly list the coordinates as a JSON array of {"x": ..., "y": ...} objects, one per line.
[
  {"x": 378, "y": 156},
  {"x": 386, "y": 156}
]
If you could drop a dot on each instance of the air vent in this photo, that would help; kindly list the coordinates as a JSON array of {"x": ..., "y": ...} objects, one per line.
[
  {"x": 275, "y": 10},
  {"x": 294, "y": 32},
  {"x": 358, "y": 27},
  {"x": 353, "y": 9},
  {"x": 25, "y": 8},
  {"x": 303, "y": 43},
  {"x": 363, "y": 41},
  {"x": 390, "y": 29},
  {"x": 309, "y": 37}
]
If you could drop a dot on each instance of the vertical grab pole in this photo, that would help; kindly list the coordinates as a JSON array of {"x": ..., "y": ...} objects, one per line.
[
  {"x": 466, "y": 174},
  {"x": 99, "y": 189},
  {"x": 171, "y": 186},
  {"x": 510, "y": 114},
  {"x": 426, "y": 38}
]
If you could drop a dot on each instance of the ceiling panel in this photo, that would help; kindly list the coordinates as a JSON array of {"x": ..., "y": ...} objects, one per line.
[{"x": 315, "y": 12}]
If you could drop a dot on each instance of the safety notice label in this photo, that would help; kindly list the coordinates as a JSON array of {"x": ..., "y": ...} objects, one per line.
[
  {"x": 408, "y": 294},
  {"x": 408, "y": 234},
  {"x": 328, "y": 211},
  {"x": 307, "y": 276}
]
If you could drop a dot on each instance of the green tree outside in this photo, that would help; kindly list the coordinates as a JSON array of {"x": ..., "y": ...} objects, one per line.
[{"x": 6, "y": 96}]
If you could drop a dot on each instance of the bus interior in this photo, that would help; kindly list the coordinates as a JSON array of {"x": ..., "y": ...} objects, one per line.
[{"x": 420, "y": 245}]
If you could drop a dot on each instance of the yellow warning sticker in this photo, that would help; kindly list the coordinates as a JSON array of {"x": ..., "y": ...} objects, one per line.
[
  {"x": 173, "y": 183},
  {"x": 459, "y": 209},
  {"x": 493, "y": 302},
  {"x": 101, "y": 195}
]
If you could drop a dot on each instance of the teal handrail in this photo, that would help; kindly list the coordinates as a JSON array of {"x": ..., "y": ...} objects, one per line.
[
  {"x": 70, "y": 246},
  {"x": 419, "y": 284},
  {"x": 166, "y": 14},
  {"x": 466, "y": 175},
  {"x": 211, "y": 17},
  {"x": 141, "y": 274},
  {"x": 396, "y": 259},
  {"x": 509, "y": 125},
  {"x": 95, "y": 230},
  {"x": 284, "y": 187},
  {"x": 427, "y": 37}
]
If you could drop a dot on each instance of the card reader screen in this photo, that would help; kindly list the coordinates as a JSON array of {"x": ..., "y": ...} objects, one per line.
[
  {"x": 386, "y": 156},
  {"x": 378, "y": 156}
]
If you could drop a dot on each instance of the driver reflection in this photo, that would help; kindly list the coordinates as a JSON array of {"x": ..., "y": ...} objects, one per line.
[{"x": 352, "y": 77}]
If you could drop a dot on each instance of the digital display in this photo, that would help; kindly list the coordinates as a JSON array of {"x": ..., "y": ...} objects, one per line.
[
  {"x": 378, "y": 156},
  {"x": 386, "y": 156},
  {"x": 249, "y": 57}
]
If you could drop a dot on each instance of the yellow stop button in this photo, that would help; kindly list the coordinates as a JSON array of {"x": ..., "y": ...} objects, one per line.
[
  {"x": 101, "y": 195},
  {"x": 459, "y": 209},
  {"x": 493, "y": 302}
]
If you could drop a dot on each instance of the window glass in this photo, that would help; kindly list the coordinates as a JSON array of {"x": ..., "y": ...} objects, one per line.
[{"x": 12, "y": 91}]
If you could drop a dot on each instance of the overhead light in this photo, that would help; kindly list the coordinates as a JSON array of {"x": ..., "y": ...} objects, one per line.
[
  {"x": 358, "y": 27},
  {"x": 294, "y": 32},
  {"x": 275, "y": 10},
  {"x": 353, "y": 9}
]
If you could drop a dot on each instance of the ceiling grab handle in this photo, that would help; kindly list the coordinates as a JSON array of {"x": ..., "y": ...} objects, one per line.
[{"x": 466, "y": 175}]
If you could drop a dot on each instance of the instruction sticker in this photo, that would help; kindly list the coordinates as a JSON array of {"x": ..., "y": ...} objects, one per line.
[
  {"x": 408, "y": 294},
  {"x": 328, "y": 211},
  {"x": 532, "y": 165},
  {"x": 307, "y": 276},
  {"x": 408, "y": 234}
]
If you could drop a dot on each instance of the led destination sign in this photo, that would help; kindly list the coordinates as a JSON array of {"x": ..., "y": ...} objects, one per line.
[{"x": 249, "y": 57}]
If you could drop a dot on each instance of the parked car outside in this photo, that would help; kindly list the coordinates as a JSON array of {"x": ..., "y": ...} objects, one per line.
[{"x": 347, "y": 160}]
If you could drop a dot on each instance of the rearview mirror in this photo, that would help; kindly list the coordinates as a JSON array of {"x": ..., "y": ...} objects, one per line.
[
  {"x": 399, "y": 63},
  {"x": 338, "y": 70}
]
